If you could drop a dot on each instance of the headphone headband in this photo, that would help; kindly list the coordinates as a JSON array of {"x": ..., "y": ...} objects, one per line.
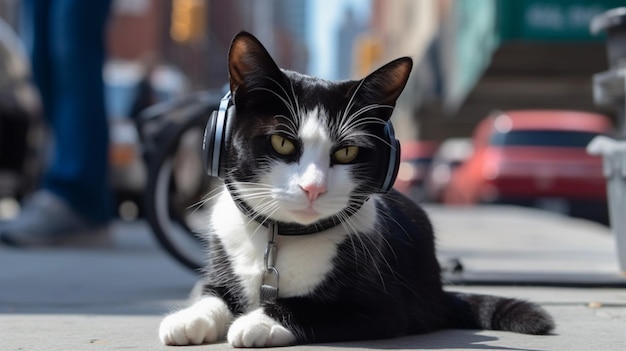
[
  {"x": 394, "y": 158},
  {"x": 217, "y": 138}
]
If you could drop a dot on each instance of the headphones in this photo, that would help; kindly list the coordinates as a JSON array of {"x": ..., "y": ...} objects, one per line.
[
  {"x": 216, "y": 135},
  {"x": 218, "y": 132}
]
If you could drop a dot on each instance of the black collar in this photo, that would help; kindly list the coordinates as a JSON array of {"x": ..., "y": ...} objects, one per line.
[{"x": 285, "y": 228}]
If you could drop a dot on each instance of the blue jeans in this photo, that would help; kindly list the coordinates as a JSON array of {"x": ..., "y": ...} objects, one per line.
[{"x": 65, "y": 40}]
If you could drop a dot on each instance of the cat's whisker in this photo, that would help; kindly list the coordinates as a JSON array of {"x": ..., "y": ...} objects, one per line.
[
  {"x": 367, "y": 108},
  {"x": 270, "y": 207},
  {"x": 353, "y": 244},
  {"x": 206, "y": 199},
  {"x": 241, "y": 193},
  {"x": 365, "y": 121},
  {"x": 270, "y": 214},
  {"x": 348, "y": 118},
  {"x": 252, "y": 192},
  {"x": 285, "y": 102},
  {"x": 366, "y": 250},
  {"x": 355, "y": 128},
  {"x": 355, "y": 124},
  {"x": 254, "y": 187},
  {"x": 389, "y": 217},
  {"x": 288, "y": 97},
  {"x": 211, "y": 195},
  {"x": 355, "y": 252},
  {"x": 377, "y": 245},
  {"x": 290, "y": 101},
  {"x": 291, "y": 129},
  {"x": 351, "y": 231},
  {"x": 378, "y": 234},
  {"x": 384, "y": 141},
  {"x": 295, "y": 100},
  {"x": 354, "y": 120},
  {"x": 265, "y": 206},
  {"x": 351, "y": 101},
  {"x": 242, "y": 186}
]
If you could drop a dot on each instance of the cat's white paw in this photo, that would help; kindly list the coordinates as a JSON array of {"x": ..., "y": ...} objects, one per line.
[
  {"x": 205, "y": 321},
  {"x": 256, "y": 329}
]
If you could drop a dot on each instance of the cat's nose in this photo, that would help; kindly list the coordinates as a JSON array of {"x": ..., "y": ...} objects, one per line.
[{"x": 313, "y": 191}]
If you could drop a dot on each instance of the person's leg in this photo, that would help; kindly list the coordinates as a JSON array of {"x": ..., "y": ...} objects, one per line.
[
  {"x": 78, "y": 172},
  {"x": 66, "y": 45},
  {"x": 33, "y": 31}
]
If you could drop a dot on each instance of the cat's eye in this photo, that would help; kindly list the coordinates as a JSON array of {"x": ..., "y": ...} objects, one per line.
[
  {"x": 346, "y": 154},
  {"x": 282, "y": 145}
]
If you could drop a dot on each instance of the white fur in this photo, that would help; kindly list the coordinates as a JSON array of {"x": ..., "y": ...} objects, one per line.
[
  {"x": 302, "y": 261},
  {"x": 256, "y": 329},
  {"x": 287, "y": 180},
  {"x": 244, "y": 241},
  {"x": 205, "y": 321}
]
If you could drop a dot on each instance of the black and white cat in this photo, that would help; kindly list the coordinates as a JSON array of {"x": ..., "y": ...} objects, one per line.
[{"x": 350, "y": 260}]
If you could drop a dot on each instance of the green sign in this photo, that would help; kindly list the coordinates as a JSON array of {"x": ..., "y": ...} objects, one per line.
[{"x": 550, "y": 20}]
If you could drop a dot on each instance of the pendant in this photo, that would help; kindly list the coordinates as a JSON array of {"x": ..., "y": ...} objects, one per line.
[{"x": 269, "y": 283}]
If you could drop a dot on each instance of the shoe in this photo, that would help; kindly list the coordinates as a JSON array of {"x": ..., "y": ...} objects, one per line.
[{"x": 47, "y": 220}]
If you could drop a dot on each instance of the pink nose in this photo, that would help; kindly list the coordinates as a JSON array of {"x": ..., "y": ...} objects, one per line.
[{"x": 313, "y": 191}]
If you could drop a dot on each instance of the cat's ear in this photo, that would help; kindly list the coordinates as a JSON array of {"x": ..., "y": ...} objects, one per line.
[
  {"x": 384, "y": 85},
  {"x": 249, "y": 61}
]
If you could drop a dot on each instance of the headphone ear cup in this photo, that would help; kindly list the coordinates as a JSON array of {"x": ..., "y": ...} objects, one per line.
[
  {"x": 216, "y": 135},
  {"x": 208, "y": 143},
  {"x": 393, "y": 163},
  {"x": 225, "y": 142}
]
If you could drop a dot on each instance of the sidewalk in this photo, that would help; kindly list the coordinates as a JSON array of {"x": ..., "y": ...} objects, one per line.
[{"x": 114, "y": 299}]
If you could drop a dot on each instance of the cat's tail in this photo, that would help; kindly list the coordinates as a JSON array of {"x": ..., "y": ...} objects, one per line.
[{"x": 474, "y": 311}]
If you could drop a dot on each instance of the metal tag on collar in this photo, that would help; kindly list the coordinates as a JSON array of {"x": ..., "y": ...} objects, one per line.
[{"x": 269, "y": 284}]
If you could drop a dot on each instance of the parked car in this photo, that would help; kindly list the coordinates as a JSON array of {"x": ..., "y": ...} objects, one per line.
[
  {"x": 450, "y": 155},
  {"x": 415, "y": 159},
  {"x": 535, "y": 158}
]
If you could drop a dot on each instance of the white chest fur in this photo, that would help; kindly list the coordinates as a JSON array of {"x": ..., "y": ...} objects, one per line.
[{"x": 302, "y": 261}]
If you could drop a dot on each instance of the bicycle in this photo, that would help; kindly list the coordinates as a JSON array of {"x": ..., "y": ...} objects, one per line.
[
  {"x": 175, "y": 195},
  {"x": 167, "y": 132}
]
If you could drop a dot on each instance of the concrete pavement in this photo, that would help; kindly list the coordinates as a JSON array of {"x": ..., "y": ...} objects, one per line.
[{"x": 114, "y": 299}]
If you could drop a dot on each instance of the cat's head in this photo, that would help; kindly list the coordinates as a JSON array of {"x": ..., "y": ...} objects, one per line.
[{"x": 302, "y": 148}]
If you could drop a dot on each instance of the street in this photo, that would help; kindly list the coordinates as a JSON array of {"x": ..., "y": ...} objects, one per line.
[{"x": 114, "y": 298}]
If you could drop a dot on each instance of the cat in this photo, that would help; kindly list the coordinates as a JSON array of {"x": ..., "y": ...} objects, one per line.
[{"x": 305, "y": 158}]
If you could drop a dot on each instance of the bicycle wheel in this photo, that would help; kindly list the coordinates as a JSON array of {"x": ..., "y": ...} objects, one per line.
[{"x": 176, "y": 204}]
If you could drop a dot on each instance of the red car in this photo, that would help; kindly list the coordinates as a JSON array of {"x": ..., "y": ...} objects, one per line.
[
  {"x": 535, "y": 158},
  {"x": 415, "y": 158}
]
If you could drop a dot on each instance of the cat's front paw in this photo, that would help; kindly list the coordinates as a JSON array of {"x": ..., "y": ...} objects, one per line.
[
  {"x": 206, "y": 321},
  {"x": 256, "y": 329}
]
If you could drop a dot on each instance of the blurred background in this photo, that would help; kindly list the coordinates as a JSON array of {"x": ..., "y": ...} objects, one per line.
[{"x": 500, "y": 66}]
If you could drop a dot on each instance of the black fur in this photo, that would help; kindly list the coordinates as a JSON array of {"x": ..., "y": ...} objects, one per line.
[
  {"x": 384, "y": 285},
  {"x": 397, "y": 292}
]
